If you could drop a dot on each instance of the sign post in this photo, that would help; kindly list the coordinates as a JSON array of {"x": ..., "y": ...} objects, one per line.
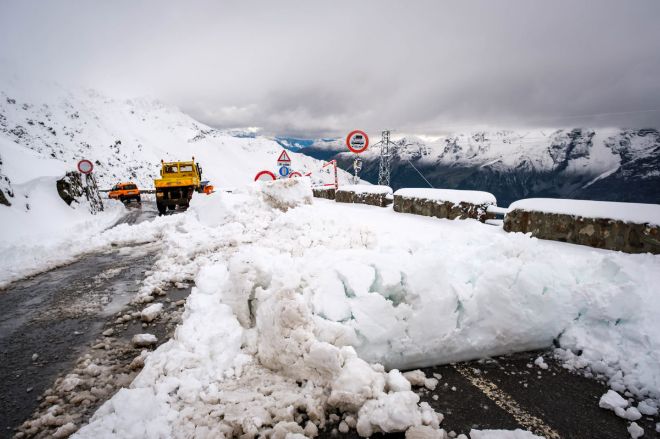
[{"x": 357, "y": 142}]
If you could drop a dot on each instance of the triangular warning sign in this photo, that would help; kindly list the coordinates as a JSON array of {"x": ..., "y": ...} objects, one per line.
[{"x": 284, "y": 157}]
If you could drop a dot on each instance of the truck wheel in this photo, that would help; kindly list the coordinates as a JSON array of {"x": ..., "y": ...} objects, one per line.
[
  {"x": 139, "y": 199},
  {"x": 171, "y": 207},
  {"x": 161, "y": 208}
]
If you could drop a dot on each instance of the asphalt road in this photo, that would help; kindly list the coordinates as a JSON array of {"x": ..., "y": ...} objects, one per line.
[
  {"x": 56, "y": 314},
  {"x": 511, "y": 392}
]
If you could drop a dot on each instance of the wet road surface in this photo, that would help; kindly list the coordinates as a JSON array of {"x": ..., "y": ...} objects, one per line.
[
  {"x": 49, "y": 319},
  {"x": 511, "y": 392}
]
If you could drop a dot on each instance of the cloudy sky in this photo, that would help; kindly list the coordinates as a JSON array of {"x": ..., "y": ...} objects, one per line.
[{"x": 310, "y": 68}]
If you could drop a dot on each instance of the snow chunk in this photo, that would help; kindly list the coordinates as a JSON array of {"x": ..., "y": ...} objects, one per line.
[
  {"x": 416, "y": 377},
  {"x": 287, "y": 193},
  {"x": 541, "y": 363},
  {"x": 647, "y": 407},
  {"x": 635, "y": 430},
  {"x": 431, "y": 383},
  {"x": 449, "y": 195},
  {"x": 151, "y": 312},
  {"x": 637, "y": 213},
  {"x": 392, "y": 412},
  {"x": 356, "y": 383},
  {"x": 396, "y": 382},
  {"x": 631, "y": 413},
  {"x": 612, "y": 400},
  {"x": 141, "y": 340},
  {"x": 65, "y": 430},
  {"x": 425, "y": 432}
]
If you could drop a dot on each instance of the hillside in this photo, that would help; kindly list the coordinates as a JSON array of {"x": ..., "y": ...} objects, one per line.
[
  {"x": 45, "y": 130},
  {"x": 606, "y": 164}
]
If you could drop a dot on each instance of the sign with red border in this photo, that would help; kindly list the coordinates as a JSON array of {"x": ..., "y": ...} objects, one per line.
[
  {"x": 284, "y": 159},
  {"x": 295, "y": 174},
  {"x": 357, "y": 141},
  {"x": 85, "y": 166},
  {"x": 265, "y": 176}
]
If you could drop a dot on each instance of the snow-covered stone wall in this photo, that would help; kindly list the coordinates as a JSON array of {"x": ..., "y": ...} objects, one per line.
[
  {"x": 364, "y": 194},
  {"x": 607, "y": 231},
  {"x": 441, "y": 203},
  {"x": 327, "y": 193}
]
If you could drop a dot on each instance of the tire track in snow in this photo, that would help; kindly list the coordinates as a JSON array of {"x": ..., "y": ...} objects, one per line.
[{"x": 507, "y": 403}]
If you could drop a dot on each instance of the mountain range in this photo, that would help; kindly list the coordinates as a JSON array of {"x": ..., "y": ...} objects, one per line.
[{"x": 598, "y": 164}]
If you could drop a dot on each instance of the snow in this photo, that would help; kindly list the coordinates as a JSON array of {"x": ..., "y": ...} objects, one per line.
[
  {"x": 612, "y": 400},
  {"x": 627, "y": 212},
  {"x": 151, "y": 312},
  {"x": 366, "y": 189},
  {"x": 540, "y": 362},
  {"x": 144, "y": 339},
  {"x": 449, "y": 195},
  {"x": 296, "y": 307},
  {"x": 48, "y": 130},
  {"x": 297, "y": 311},
  {"x": 635, "y": 430},
  {"x": 648, "y": 408}
]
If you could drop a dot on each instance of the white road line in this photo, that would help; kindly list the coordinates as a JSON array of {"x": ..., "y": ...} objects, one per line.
[{"x": 507, "y": 403}]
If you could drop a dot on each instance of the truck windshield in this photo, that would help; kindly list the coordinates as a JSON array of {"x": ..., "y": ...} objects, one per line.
[
  {"x": 171, "y": 169},
  {"x": 185, "y": 168}
]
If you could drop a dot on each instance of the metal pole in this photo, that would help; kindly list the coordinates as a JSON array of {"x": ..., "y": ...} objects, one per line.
[{"x": 386, "y": 151}]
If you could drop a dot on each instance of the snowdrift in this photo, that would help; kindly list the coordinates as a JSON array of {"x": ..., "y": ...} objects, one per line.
[{"x": 301, "y": 311}]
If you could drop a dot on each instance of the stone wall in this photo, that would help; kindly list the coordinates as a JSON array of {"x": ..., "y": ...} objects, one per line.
[
  {"x": 373, "y": 199},
  {"x": 594, "y": 232},
  {"x": 327, "y": 193},
  {"x": 441, "y": 209},
  {"x": 81, "y": 189}
]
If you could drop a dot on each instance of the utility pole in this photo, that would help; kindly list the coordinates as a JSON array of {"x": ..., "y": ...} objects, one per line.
[{"x": 387, "y": 149}]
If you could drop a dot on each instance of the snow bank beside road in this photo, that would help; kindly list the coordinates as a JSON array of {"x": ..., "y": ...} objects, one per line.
[
  {"x": 294, "y": 309},
  {"x": 247, "y": 359}
]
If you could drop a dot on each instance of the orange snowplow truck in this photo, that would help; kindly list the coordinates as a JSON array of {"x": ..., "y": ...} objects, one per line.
[{"x": 177, "y": 183}]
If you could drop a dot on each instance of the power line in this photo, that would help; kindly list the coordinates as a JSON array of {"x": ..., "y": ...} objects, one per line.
[{"x": 420, "y": 174}]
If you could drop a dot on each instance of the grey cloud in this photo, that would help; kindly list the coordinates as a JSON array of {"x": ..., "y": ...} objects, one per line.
[{"x": 310, "y": 68}]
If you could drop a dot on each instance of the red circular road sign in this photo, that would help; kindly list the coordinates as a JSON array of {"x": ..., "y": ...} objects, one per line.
[
  {"x": 85, "y": 166},
  {"x": 295, "y": 174},
  {"x": 357, "y": 141},
  {"x": 265, "y": 176}
]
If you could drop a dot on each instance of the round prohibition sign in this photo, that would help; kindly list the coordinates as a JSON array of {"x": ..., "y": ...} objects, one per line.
[
  {"x": 85, "y": 166},
  {"x": 357, "y": 141},
  {"x": 295, "y": 174},
  {"x": 265, "y": 176}
]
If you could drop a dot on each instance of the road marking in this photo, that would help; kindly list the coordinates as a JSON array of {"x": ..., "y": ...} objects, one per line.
[{"x": 507, "y": 403}]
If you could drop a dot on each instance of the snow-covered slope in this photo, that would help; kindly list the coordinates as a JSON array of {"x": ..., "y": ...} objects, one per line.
[
  {"x": 45, "y": 130},
  {"x": 605, "y": 164},
  {"x": 127, "y": 139}
]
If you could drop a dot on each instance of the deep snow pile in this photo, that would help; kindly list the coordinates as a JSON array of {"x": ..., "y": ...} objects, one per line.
[{"x": 295, "y": 309}]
